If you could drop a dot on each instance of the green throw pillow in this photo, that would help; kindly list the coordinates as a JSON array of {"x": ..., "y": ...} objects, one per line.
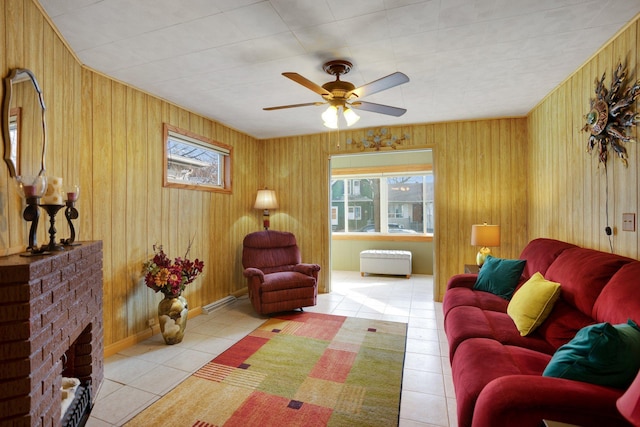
[
  {"x": 603, "y": 354},
  {"x": 499, "y": 276}
]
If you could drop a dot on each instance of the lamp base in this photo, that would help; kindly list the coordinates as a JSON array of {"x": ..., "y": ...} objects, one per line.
[{"x": 481, "y": 256}]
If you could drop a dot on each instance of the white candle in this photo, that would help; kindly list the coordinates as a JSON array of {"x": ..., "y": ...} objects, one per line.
[{"x": 53, "y": 195}]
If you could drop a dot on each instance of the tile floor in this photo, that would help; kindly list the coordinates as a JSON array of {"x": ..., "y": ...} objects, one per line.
[{"x": 132, "y": 382}]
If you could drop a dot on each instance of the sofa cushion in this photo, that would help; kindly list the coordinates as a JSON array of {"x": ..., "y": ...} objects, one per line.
[
  {"x": 532, "y": 303},
  {"x": 601, "y": 354},
  {"x": 466, "y": 322},
  {"x": 478, "y": 361},
  {"x": 456, "y": 297},
  {"x": 499, "y": 276},
  {"x": 619, "y": 299},
  {"x": 540, "y": 253},
  {"x": 583, "y": 274},
  {"x": 563, "y": 324}
]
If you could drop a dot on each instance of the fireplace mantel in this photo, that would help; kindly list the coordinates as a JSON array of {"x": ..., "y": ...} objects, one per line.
[{"x": 50, "y": 313}]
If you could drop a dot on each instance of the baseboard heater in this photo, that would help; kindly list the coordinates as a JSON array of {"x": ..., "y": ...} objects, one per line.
[{"x": 218, "y": 304}]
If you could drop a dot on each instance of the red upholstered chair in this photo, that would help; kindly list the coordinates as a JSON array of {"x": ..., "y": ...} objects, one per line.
[{"x": 277, "y": 279}]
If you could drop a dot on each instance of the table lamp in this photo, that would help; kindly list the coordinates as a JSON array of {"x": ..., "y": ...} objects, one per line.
[
  {"x": 265, "y": 200},
  {"x": 484, "y": 235}
]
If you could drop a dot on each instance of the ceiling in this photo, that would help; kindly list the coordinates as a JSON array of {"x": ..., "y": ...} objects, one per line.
[{"x": 466, "y": 59}]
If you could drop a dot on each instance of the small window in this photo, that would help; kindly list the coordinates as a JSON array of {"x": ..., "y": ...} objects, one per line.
[
  {"x": 195, "y": 162},
  {"x": 355, "y": 213}
]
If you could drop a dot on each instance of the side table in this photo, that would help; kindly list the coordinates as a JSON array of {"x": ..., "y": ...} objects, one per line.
[
  {"x": 548, "y": 423},
  {"x": 471, "y": 268}
]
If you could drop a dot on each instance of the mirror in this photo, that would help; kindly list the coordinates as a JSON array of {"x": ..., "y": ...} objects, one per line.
[{"x": 23, "y": 124}]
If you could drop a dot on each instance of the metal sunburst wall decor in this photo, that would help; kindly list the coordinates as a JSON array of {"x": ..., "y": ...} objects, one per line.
[
  {"x": 611, "y": 117},
  {"x": 378, "y": 138}
]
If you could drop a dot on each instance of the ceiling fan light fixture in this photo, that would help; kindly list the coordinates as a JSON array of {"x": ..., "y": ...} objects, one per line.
[
  {"x": 330, "y": 117},
  {"x": 350, "y": 116}
]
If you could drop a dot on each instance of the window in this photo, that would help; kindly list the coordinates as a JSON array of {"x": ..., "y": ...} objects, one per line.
[
  {"x": 195, "y": 162},
  {"x": 355, "y": 213},
  {"x": 384, "y": 203},
  {"x": 14, "y": 136}
]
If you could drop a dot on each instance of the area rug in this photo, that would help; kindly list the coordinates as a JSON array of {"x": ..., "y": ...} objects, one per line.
[{"x": 299, "y": 369}]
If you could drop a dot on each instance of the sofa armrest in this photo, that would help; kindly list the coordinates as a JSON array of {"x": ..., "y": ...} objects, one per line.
[
  {"x": 525, "y": 400},
  {"x": 251, "y": 273},
  {"x": 466, "y": 280},
  {"x": 308, "y": 269}
]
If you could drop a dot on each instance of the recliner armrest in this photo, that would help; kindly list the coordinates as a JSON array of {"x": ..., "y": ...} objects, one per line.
[
  {"x": 251, "y": 272},
  {"x": 308, "y": 269}
]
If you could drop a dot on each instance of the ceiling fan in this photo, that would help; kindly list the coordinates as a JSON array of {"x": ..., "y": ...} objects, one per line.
[{"x": 344, "y": 95}]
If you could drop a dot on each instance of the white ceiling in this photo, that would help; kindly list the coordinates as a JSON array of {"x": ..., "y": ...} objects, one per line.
[{"x": 223, "y": 59}]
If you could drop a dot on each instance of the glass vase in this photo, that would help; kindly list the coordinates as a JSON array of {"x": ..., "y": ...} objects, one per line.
[{"x": 172, "y": 315}]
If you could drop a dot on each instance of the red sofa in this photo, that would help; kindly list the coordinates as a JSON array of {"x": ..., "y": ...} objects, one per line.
[{"x": 497, "y": 373}]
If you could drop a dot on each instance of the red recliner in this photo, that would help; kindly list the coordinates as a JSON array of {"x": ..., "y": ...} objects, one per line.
[{"x": 277, "y": 279}]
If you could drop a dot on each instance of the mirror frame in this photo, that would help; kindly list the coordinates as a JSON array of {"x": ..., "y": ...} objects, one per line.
[{"x": 18, "y": 75}]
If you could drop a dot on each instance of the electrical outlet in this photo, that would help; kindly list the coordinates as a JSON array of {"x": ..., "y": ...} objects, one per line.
[
  {"x": 629, "y": 222},
  {"x": 152, "y": 322}
]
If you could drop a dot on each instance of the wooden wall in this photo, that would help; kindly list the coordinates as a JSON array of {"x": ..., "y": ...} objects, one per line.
[
  {"x": 530, "y": 175},
  {"x": 479, "y": 176},
  {"x": 568, "y": 191},
  {"x": 107, "y": 137}
]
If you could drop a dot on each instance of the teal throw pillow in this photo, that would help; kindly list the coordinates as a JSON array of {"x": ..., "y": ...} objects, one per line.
[
  {"x": 499, "y": 276},
  {"x": 603, "y": 354}
]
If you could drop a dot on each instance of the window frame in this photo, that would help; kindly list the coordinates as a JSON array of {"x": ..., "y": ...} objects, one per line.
[
  {"x": 383, "y": 173},
  {"x": 189, "y": 138}
]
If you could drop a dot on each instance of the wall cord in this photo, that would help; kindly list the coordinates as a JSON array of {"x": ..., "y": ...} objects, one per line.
[{"x": 608, "y": 231}]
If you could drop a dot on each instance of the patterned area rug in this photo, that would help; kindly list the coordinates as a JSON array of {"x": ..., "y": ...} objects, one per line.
[{"x": 301, "y": 369}]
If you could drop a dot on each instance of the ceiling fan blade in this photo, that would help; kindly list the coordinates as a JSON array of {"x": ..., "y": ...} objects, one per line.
[
  {"x": 281, "y": 107},
  {"x": 307, "y": 83},
  {"x": 381, "y": 84},
  {"x": 378, "y": 108}
]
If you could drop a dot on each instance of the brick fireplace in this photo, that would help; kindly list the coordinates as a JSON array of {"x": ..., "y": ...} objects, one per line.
[{"x": 50, "y": 322}]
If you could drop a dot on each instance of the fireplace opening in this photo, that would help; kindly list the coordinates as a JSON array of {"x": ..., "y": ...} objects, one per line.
[{"x": 75, "y": 390}]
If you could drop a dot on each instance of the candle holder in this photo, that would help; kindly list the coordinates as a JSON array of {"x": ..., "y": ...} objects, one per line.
[
  {"x": 32, "y": 214},
  {"x": 70, "y": 213},
  {"x": 32, "y": 188},
  {"x": 73, "y": 192},
  {"x": 52, "y": 210}
]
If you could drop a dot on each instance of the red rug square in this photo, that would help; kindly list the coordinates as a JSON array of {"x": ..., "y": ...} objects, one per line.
[
  {"x": 274, "y": 411},
  {"x": 241, "y": 351},
  {"x": 334, "y": 365}
]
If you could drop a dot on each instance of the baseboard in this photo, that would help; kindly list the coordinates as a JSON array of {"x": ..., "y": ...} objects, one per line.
[{"x": 118, "y": 346}]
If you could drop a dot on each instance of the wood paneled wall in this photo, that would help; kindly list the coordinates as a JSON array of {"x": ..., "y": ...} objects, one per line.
[
  {"x": 479, "y": 171},
  {"x": 107, "y": 137},
  {"x": 530, "y": 175},
  {"x": 569, "y": 192}
]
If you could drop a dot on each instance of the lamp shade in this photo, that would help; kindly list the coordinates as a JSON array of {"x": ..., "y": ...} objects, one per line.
[
  {"x": 629, "y": 403},
  {"x": 485, "y": 235},
  {"x": 330, "y": 117},
  {"x": 350, "y": 116},
  {"x": 266, "y": 199}
]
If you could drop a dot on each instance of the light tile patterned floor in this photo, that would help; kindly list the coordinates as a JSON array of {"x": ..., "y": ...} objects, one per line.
[{"x": 132, "y": 381}]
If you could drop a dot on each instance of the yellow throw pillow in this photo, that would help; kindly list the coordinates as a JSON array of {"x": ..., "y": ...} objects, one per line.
[{"x": 532, "y": 303}]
